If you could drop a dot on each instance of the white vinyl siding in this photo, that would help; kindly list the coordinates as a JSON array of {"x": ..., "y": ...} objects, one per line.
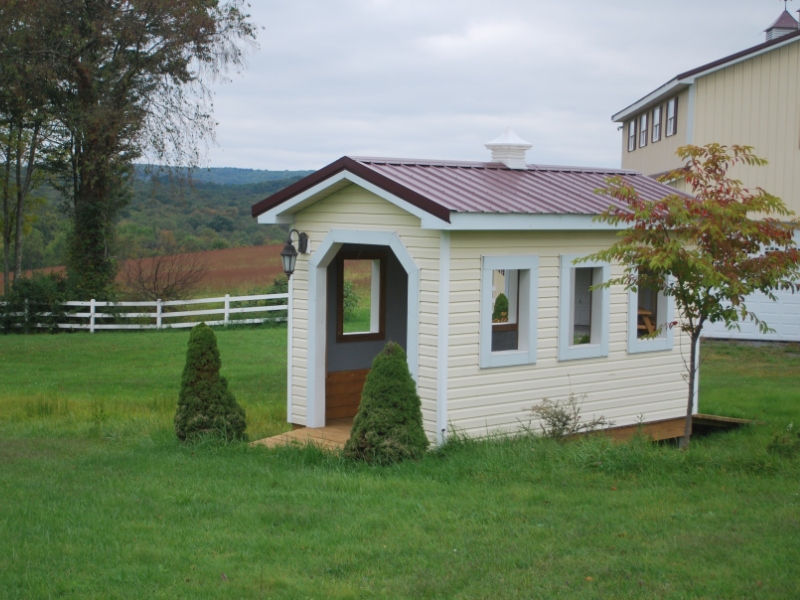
[
  {"x": 357, "y": 209},
  {"x": 621, "y": 387}
]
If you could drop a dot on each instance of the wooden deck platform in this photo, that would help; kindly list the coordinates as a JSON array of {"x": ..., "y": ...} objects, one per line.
[{"x": 333, "y": 436}]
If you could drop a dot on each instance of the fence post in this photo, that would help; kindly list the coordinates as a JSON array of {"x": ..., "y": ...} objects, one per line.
[
  {"x": 227, "y": 308},
  {"x": 91, "y": 315},
  {"x": 158, "y": 313}
]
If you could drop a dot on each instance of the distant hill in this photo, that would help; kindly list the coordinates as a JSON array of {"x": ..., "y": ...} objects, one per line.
[
  {"x": 211, "y": 212},
  {"x": 226, "y": 175}
]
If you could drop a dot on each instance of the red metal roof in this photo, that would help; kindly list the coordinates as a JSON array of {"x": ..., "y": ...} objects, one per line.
[
  {"x": 441, "y": 188},
  {"x": 785, "y": 21}
]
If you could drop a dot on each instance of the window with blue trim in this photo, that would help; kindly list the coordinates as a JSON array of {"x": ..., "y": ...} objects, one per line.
[{"x": 509, "y": 299}]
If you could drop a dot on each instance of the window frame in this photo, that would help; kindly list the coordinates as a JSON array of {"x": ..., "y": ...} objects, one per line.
[
  {"x": 527, "y": 310},
  {"x": 656, "y": 126},
  {"x": 665, "y": 340},
  {"x": 601, "y": 309},
  {"x": 643, "y": 130},
  {"x": 380, "y": 293},
  {"x": 673, "y": 129},
  {"x": 632, "y": 130}
]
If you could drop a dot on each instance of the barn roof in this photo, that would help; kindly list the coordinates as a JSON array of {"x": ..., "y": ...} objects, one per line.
[{"x": 444, "y": 189}]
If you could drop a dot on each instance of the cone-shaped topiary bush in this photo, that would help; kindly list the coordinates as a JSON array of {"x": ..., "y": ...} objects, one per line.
[
  {"x": 388, "y": 426},
  {"x": 500, "y": 311},
  {"x": 205, "y": 406}
]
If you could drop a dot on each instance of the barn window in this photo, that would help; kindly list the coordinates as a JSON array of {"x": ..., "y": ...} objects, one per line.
[
  {"x": 643, "y": 131},
  {"x": 361, "y": 297},
  {"x": 509, "y": 293},
  {"x": 632, "y": 135},
  {"x": 656, "y": 123},
  {"x": 672, "y": 117},
  {"x": 583, "y": 310},
  {"x": 648, "y": 310}
]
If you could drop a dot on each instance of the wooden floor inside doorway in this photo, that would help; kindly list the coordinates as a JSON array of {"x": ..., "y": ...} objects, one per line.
[{"x": 333, "y": 436}]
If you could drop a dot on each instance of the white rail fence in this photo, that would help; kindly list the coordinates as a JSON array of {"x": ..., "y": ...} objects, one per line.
[{"x": 97, "y": 315}]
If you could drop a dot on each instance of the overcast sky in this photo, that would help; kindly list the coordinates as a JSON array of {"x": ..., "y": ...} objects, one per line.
[{"x": 438, "y": 78}]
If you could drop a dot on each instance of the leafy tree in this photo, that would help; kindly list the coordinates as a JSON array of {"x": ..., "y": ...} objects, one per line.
[
  {"x": 205, "y": 405},
  {"x": 126, "y": 78},
  {"x": 388, "y": 426},
  {"x": 707, "y": 252},
  {"x": 24, "y": 125}
]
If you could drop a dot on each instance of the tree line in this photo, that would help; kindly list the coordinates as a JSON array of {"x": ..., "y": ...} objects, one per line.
[
  {"x": 88, "y": 88},
  {"x": 161, "y": 218}
]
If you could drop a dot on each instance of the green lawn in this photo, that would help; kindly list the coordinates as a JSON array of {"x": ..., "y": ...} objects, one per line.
[{"x": 98, "y": 500}]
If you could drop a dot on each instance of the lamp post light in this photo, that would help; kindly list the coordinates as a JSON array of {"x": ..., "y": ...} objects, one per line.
[{"x": 289, "y": 253}]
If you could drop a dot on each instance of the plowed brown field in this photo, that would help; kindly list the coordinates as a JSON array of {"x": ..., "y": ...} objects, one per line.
[{"x": 230, "y": 271}]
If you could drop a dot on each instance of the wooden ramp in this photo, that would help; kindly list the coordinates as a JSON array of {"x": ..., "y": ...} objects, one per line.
[{"x": 333, "y": 436}]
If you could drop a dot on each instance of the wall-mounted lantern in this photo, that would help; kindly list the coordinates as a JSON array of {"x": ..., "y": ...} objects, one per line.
[{"x": 289, "y": 253}]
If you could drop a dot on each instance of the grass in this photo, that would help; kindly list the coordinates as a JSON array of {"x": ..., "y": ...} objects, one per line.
[
  {"x": 70, "y": 384},
  {"x": 87, "y": 514}
]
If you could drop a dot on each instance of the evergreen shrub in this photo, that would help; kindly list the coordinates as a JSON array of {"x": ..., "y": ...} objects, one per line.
[
  {"x": 388, "y": 426},
  {"x": 500, "y": 311},
  {"x": 205, "y": 405},
  {"x": 35, "y": 304}
]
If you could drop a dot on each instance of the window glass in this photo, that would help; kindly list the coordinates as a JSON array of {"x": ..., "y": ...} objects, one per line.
[
  {"x": 647, "y": 311},
  {"x": 643, "y": 130},
  {"x": 505, "y": 305},
  {"x": 632, "y": 136},
  {"x": 582, "y": 307},
  {"x": 672, "y": 117},
  {"x": 361, "y": 297},
  {"x": 656, "y": 123}
]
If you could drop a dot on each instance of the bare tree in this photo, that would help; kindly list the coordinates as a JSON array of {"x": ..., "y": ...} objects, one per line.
[{"x": 168, "y": 276}]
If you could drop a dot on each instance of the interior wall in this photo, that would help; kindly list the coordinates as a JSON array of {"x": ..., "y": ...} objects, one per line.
[{"x": 354, "y": 355}]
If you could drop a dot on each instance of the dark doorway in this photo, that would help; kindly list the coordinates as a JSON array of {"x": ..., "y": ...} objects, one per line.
[{"x": 367, "y": 306}]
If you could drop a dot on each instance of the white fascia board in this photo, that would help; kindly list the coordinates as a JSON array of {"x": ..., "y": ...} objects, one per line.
[
  {"x": 665, "y": 91},
  {"x": 284, "y": 211},
  {"x": 525, "y": 222}
]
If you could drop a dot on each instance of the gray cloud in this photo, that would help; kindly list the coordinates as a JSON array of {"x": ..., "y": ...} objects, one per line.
[{"x": 438, "y": 79}]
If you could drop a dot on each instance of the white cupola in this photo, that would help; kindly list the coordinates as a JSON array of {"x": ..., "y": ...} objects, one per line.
[{"x": 510, "y": 149}]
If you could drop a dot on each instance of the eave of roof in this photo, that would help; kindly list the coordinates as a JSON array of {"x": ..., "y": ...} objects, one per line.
[
  {"x": 465, "y": 195},
  {"x": 687, "y": 78}
]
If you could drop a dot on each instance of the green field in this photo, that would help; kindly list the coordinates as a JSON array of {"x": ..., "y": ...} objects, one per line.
[{"x": 98, "y": 500}]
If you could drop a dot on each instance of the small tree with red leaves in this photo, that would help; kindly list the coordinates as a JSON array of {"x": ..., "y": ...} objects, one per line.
[{"x": 707, "y": 252}]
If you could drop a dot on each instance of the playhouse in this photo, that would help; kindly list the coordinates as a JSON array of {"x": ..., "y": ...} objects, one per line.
[{"x": 470, "y": 267}]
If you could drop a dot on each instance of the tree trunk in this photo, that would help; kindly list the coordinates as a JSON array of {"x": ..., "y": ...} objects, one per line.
[
  {"x": 19, "y": 211},
  {"x": 687, "y": 430},
  {"x": 7, "y": 220},
  {"x": 23, "y": 188}
]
